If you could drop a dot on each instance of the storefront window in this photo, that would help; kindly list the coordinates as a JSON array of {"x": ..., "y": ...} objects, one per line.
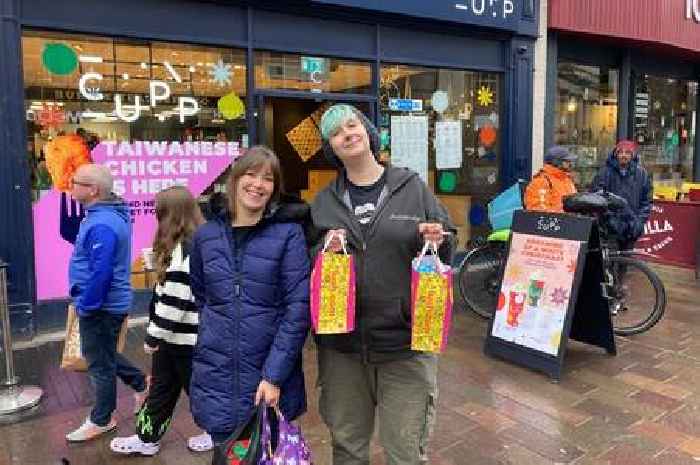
[
  {"x": 155, "y": 113},
  {"x": 664, "y": 127},
  {"x": 586, "y": 118},
  {"x": 446, "y": 125},
  {"x": 459, "y": 113},
  {"x": 311, "y": 73}
]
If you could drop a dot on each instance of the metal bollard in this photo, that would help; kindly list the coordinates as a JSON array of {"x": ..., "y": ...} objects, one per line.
[{"x": 13, "y": 397}]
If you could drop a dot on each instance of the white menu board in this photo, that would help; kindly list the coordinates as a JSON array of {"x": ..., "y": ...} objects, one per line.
[
  {"x": 448, "y": 145},
  {"x": 409, "y": 143}
]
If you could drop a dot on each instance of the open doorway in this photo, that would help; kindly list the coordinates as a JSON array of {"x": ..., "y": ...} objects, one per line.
[{"x": 290, "y": 126}]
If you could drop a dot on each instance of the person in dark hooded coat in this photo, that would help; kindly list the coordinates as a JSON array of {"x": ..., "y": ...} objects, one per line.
[
  {"x": 249, "y": 273},
  {"x": 623, "y": 175}
]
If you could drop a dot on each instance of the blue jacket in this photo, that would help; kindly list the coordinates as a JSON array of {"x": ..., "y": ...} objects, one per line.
[
  {"x": 634, "y": 185},
  {"x": 100, "y": 267},
  {"x": 253, "y": 299}
]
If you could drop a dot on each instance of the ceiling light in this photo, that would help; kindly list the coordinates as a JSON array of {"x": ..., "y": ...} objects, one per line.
[
  {"x": 144, "y": 66},
  {"x": 192, "y": 69},
  {"x": 125, "y": 76}
]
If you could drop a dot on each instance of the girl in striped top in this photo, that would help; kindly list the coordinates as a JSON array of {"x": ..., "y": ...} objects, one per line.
[{"x": 172, "y": 328}]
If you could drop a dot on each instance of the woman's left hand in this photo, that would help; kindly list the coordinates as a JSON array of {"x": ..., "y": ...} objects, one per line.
[
  {"x": 432, "y": 232},
  {"x": 268, "y": 393}
]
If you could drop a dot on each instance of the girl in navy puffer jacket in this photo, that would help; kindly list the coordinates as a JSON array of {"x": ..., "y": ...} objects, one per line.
[{"x": 250, "y": 278}]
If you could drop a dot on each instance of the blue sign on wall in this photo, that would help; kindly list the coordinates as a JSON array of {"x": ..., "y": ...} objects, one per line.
[
  {"x": 313, "y": 64},
  {"x": 405, "y": 104},
  {"x": 501, "y": 14}
]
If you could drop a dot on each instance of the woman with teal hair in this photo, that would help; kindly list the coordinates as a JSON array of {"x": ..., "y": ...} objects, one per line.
[{"x": 384, "y": 215}]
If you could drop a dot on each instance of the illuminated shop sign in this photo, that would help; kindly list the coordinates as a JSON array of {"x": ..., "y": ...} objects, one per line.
[{"x": 159, "y": 91}]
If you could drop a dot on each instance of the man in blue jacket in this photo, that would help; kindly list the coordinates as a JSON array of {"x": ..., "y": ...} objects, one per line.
[
  {"x": 99, "y": 277},
  {"x": 623, "y": 175}
]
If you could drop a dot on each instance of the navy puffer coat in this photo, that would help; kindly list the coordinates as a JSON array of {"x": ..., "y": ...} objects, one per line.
[
  {"x": 253, "y": 299},
  {"x": 634, "y": 185}
]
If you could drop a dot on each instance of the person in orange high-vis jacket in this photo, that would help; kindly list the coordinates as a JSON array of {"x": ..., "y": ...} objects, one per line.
[{"x": 552, "y": 183}]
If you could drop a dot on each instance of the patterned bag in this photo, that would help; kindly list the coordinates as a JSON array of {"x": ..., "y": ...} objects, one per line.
[
  {"x": 431, "y": 301},
  {"x": 72, "y": 358},
  {"x": 333, "y": 291},
  {"x": 244, "y": 445},
  {"x": 291, "y": 447}
]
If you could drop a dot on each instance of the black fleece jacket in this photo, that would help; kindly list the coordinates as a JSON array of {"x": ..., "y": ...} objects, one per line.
[{"x": 383, "y": 258}]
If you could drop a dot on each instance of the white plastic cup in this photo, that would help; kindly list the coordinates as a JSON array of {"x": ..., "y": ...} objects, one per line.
[{"x": 148, "y": 258}]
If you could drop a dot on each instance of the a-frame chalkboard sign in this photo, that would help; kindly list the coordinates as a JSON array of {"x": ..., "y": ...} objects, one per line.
[{"x": 550, "y": 291}]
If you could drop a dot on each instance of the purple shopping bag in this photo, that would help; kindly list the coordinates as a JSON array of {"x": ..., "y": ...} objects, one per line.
[{"x": 291, "y": 448}]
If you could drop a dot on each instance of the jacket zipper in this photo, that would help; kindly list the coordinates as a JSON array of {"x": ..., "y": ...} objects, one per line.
[
  {"x": 365, "y": 237},
  {"x": 237, "y": 256}
]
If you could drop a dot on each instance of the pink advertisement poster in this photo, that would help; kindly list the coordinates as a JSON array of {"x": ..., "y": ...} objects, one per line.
[
  {"x": 140, "y": 169},
  {"x": 536, "y": 290}
]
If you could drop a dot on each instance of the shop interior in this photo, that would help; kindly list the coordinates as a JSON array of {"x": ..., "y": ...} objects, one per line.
[
  {"x": 100, "y": 88},
  {"x": 663, "y": 118},
  {"x": 587, "y": 116}
]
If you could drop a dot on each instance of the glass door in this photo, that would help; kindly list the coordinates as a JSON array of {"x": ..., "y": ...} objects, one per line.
[{"x": 291, "y": 127}]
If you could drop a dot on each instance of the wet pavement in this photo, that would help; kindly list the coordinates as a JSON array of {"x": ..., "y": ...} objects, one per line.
[{"x": 640, "y": 407}]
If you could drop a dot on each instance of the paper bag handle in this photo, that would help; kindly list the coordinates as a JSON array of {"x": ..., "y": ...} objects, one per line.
[
  {"x": 434, "y": 248},
  {"x": 330, "y": 238}
]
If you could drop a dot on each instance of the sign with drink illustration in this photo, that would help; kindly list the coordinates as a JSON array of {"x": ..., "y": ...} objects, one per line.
[
  {"x": 550, "y": 291},
  {"x": 535, "y": 292}
]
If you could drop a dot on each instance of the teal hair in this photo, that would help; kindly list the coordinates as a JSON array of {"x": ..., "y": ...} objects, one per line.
[{"x": 335, "y": 117}]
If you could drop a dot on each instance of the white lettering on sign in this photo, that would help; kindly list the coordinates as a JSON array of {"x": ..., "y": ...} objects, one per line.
[
  {"x": 692, "y": 10},
  {"x": 508, "y": 8},
  {"x": 135, "y": 108},
  {"x": 490, "y": 8},
  {"x": 159, "y": 91},
  {"x": 153, "y": 87},
  {"x": 92, "y": 93},
  {"x": 655, "y": 227}
]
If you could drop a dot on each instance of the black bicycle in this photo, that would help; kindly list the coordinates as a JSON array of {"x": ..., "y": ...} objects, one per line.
[{"x": 636, "y": 295}]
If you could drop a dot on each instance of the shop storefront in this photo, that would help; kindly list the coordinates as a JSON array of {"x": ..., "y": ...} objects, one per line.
[
  {"x": 629, "y": 70},
  {"x": 625, "y": 69},
  {"x": 168, "y": 92}
]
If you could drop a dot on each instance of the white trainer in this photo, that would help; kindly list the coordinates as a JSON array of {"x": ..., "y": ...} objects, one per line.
[
  {"x": 132, "y": 445},
  {"x": 200, "y": 443},
  {"x": 88, "y": 430}
]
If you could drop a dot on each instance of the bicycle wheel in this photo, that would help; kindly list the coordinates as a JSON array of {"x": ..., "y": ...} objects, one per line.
[
  {"x": 638, "y": 296},
  {"x": 480, "y": 277}
]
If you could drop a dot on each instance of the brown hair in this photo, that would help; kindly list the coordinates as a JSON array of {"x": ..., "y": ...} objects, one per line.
[
  {"x": 254, "y": 158},
  {"x": 178, "y": 217}
]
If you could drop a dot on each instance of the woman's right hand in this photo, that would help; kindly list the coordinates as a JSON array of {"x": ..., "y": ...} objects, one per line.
[{"x": 336, "y": 244}]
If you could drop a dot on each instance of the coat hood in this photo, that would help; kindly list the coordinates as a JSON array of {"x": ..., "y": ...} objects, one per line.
[{"x": 113, "y": 203}]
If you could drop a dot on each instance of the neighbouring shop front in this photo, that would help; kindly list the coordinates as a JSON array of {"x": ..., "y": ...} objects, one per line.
[
  {"x": 620, "y": 70},
  {"x": 168, "y": 92}
]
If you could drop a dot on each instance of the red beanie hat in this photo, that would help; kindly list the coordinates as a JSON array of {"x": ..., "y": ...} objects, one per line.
[{"x": 626, "y": 145}]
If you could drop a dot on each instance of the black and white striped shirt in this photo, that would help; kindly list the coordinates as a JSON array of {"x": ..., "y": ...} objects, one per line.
[{"x": 174, "y": 318}]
